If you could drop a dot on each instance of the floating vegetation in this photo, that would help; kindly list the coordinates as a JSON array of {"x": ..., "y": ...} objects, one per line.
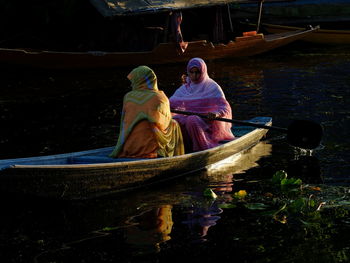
[
  {"x": 309, "y": 219},
  {"x": 209, "y": 193},
  {"x": 289, "y": 199},
  {"x": 241, "y": 194}
]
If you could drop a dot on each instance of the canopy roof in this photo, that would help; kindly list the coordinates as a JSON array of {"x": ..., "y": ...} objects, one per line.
[{"x": 109, "y": 8}]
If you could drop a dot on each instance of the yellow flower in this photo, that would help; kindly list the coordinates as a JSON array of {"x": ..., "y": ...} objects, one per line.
[{"x": 240, "y": 194}]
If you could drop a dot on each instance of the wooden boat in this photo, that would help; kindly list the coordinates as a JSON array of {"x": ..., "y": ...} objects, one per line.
[
  {"x": 321, "y": 36},
  {"x": 162, "y": 54},
  {"x": 299, "y": 12},
  {"x": 90, "y": 174}
]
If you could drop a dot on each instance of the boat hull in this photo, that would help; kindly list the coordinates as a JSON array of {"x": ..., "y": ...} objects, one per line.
[
  {"x": 321, "y": 36},
  {"x": 82, "y": 181},
  {"x": 164, "y": 53}
]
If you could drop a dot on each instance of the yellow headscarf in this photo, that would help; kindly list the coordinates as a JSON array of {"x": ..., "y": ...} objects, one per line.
[
  {"x": 145, "y": 101},
  {"x": 143, "y": 77}
]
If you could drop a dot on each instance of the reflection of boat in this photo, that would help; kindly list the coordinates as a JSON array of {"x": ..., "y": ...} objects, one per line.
[
  {"x": 241, "y": 161},
  {"x": 86, "y": 174},
  {"x": 322, "y": 36},
  {"x": 148, "y": 32},
  {"x": 163, "y": 53}
]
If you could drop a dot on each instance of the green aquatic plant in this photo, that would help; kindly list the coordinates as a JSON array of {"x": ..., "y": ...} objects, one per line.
[
  {"x": 289, "y": 199},
  {"x": 287, "y": 184},
  {"x": 209, "y": 193},
  {"x": 279, "y": 176}
]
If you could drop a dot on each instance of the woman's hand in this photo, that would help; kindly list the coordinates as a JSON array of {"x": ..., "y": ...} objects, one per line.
[{"x": 184, "y": 78}]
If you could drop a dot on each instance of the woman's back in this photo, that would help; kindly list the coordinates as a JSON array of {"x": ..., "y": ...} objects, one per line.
[{"x": 147, "y": 129}]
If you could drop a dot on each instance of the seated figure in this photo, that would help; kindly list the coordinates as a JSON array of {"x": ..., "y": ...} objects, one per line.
[
  {"x": 200, "y": 94},
  {"x": 147, "y": 129}
]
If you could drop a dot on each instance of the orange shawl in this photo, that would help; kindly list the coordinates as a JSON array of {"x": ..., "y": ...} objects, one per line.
[{"x": 146, "y": 102}]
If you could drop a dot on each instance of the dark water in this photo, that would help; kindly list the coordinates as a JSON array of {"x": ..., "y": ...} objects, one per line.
[{"x": 44, "y": 112}]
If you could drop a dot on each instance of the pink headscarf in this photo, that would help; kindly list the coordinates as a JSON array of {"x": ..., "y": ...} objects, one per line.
[
  {"x": 204, "y": 97},
  {"x": 206, "y": 88}
]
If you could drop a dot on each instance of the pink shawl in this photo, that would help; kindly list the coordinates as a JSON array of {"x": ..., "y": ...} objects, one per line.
[{"x": 202, "y": 97}]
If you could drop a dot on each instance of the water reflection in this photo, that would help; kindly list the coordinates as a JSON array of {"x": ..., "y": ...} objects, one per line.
[
  {"x": 201, "y": 213},
  {"x": 238, "y": 163},
  {"x": 200, "y": 216},
  {"x": 307, "y": 168},
  {"x": 149, "y": 230}
]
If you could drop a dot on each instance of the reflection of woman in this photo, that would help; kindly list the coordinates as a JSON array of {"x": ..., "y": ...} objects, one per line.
[
  {"x": 201, "y": 218},
  {"x": 201, "y": 94},
  {"x": 153, "y": 227},
  {"x": 147, "y": 129}
]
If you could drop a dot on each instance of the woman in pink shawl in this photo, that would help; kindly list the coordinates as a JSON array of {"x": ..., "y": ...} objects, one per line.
[{"x": 201, "y": 94}]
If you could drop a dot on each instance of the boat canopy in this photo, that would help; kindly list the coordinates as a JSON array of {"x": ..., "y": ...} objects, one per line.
[{"x": 111, "y": 8}]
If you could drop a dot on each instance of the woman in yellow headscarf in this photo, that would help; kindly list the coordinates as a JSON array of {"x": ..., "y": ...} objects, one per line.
[{"x": 147, "y": 129}]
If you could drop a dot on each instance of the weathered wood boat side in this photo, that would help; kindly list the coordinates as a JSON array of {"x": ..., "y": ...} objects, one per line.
[
  {"x": 321, "y": 36},
  {"x": 89, "y": 174},
  {"x": 164, "y": 53}
]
